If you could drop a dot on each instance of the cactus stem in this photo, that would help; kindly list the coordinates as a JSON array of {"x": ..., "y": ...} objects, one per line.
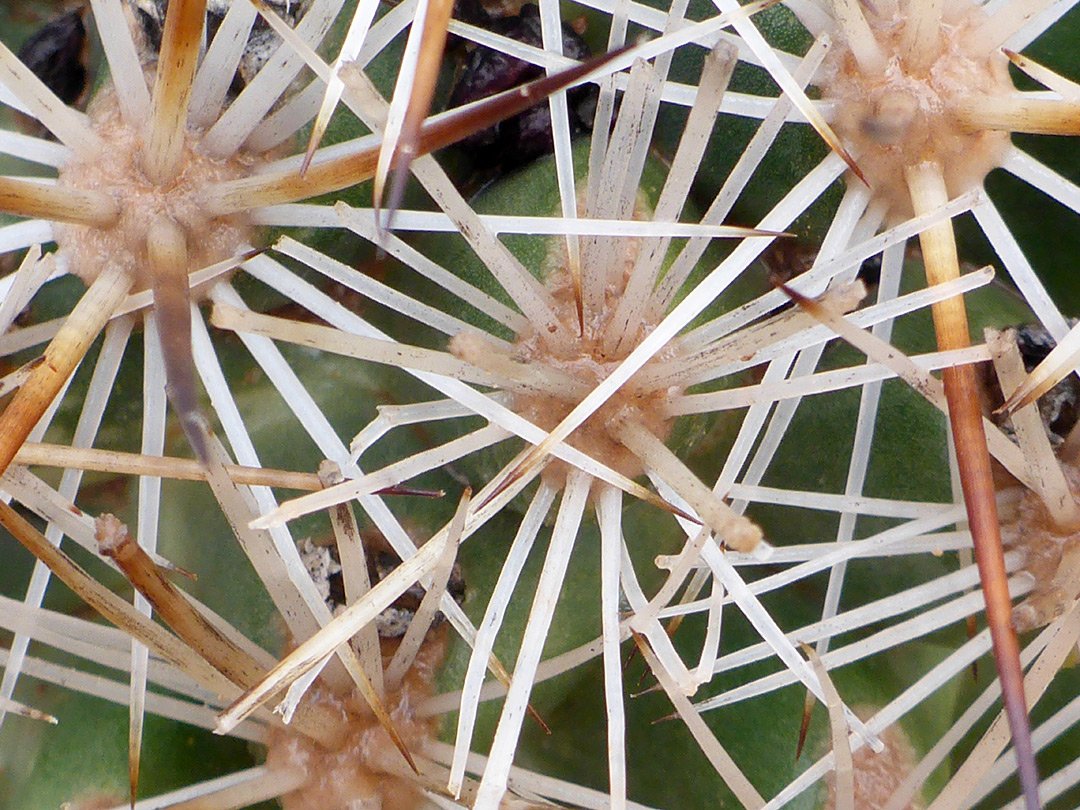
[{"x": 710, "y": 746}]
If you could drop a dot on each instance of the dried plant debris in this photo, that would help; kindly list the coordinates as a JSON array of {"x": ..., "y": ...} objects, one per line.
[
  {"x": 57, "y": 53},
  {"x": 366, "y": 766},
  {"x": 1049, "y": 553},
  {"x": 262, "y": 42},
  {"x": 1060, "y": 406},
  {"x": 324, "y": 565},
  {"x": 486, "y": 71}
]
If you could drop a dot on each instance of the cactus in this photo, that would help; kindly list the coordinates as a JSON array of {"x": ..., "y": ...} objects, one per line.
[{"x": 668, "y": 399}]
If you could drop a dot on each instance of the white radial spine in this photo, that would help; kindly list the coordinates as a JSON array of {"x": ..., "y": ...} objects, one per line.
[
  {"x": 32, "y": 96},
  {"x": 1042, "y": 177},
  {"x": 231, "y": 130},
  {"x": 97, "y": 397},
  {"x": 493, "y": 784},
  {"x": 609, "y": 515},
  {"x": 1020, "y": 270},
  {"x": 23, "y": 285},
  {"x": 125, "y": 67},
  {"x": 153, "y": 443},
  {"x": 34, "y": 150},
  {"x": 218, "y": 67},
  {"x": 869, "y": 399},
  {"x": 489, "y": 628},
  {"x": 21, "y": 235},
  {"x": 197, "y": 713}
]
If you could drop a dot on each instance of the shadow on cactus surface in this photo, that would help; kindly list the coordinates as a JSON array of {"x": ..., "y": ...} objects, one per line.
[{"x": 736, "y": 502}]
